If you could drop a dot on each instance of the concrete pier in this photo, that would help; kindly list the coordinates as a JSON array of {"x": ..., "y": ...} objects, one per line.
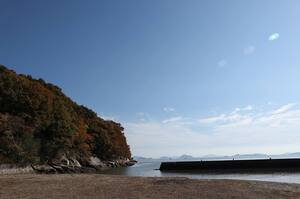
[{"x": 227, "y": 165}]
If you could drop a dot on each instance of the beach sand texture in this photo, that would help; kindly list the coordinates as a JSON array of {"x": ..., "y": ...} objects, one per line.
[{"x": 33, "y": 186}]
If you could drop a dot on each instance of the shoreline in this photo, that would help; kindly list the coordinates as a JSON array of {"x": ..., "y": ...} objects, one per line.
[
  {"x": 74, "y": 186},
  {"x": 94, "y": 165}
]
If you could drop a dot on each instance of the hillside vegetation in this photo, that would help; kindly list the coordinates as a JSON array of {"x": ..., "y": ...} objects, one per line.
[{"x": 39, "y": 123}]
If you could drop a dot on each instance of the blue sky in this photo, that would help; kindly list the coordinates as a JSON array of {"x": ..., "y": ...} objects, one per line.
[{"x": 194, "y": 77}]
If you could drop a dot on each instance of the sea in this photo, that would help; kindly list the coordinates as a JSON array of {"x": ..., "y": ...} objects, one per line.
[{"x": 151, "y": 169}]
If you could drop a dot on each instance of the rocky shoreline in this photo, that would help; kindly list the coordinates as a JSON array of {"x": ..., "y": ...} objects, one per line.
[{"x": 72, "y": 165}]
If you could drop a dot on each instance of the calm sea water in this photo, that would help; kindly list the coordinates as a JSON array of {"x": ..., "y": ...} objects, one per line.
[{"x": 149, "y": 169}]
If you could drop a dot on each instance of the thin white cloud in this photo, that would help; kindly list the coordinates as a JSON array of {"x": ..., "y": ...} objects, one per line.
[
  {"x": 284, "y": 108},
  {"x": 248, "y": 108},
  {"x": 213, "y": 119},
  {"x": 169, "y": 109},
  {"x": 249, "y": 50},
  {"x": 240, "y": 121},
  {"x": 142, "y": 116},
  {"x": 233, "y": 116},
  {"x": 246, "y": 131},
  {"x": 222, "y": 63},
  {"x": 172, "y": 119},
  {"x": 236, "y": 110},
  {"x": 222, "y": 118},
  {"x": 274, "y": 36},
  {"x": 284, "y": 115}
]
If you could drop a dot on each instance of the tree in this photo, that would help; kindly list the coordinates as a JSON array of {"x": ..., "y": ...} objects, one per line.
[{"x": 38, "y": 122}]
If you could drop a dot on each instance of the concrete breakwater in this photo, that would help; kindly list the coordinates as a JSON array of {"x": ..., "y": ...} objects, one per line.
[{"x": 233, "y": 165}]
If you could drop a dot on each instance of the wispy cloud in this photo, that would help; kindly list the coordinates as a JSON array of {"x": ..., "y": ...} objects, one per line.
[
  {"x": 281, "y": 117},
  {"x": 169, "y": 109},
  {"x": 233, "y": 116},
  {"x": 242, "y": 130},
  {"x": 246, "y": 108},
  {"x": 249, "y": 50},
  {"x": 142, "y": 116},
  {"x": 284, "y": 108},
  {"x": 213, "y": 119},
  {"x": 172, "y": 119},
  {"x": 223, "y": 118},
  {"x": 274, "y": 36},
  {"x": 222, "y": 63}
]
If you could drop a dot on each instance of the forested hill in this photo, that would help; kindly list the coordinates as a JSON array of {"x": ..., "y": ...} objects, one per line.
[{"x": 39, "y": 123}]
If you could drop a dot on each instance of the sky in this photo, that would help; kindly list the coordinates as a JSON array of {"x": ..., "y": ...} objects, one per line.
[{"x": 182, "y": 76}]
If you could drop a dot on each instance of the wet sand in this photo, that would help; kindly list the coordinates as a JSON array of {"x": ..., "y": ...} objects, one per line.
[{"x": 25, "y": 186}]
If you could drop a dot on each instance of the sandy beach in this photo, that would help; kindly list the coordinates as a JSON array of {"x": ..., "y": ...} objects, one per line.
[{"x": 33, "y": 186}]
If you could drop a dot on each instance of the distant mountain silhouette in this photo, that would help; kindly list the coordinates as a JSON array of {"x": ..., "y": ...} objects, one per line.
[{"x": 218, "y": 157}]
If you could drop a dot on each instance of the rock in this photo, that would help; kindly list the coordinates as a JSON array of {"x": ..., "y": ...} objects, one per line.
[
  {"x": 96, "y": 163},
  {"x": 72, "y": 165},
  {"x": 43, "y": 168},
  {"x": 58, "y": 169},
  {"x": 62, "y": 161},
  {"x": 131, "y": 163},
  {"x": 111, "y": 164},
  {"x": 66, "y": 165},
  {"x": 74, "y": 162}
]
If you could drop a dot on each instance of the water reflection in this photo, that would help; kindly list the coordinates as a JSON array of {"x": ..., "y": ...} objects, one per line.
[{"x": 150, "y": 169}]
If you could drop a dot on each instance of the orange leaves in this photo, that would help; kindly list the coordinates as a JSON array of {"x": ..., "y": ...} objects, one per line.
[
  {"x": 81, "y": 138},
  {"x": 45, "y": 120}
]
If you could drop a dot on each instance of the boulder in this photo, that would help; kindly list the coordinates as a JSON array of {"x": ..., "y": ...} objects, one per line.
[
  {"x": 96, "y": 163},
  {"x": 44, "y": 168},
  {"x": 74, "y": 163}
]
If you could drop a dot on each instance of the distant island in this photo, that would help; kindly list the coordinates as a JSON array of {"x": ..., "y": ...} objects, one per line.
[
  {"x": 42, "y": 127},
  {"x": 218, "y": 157}
]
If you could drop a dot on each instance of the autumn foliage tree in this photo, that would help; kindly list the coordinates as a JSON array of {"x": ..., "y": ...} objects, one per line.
[{"x": 39, "y": 123}]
